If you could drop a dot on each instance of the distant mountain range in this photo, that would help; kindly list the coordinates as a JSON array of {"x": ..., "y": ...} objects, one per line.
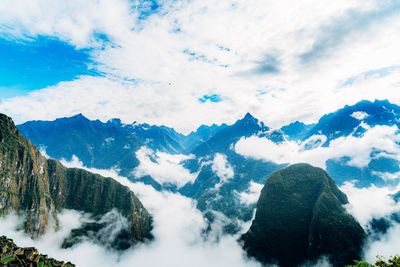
[{"x": 113, "y": 144}]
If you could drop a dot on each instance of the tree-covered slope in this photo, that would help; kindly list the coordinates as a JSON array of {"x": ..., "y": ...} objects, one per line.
[{"x": 300, "y": 217}]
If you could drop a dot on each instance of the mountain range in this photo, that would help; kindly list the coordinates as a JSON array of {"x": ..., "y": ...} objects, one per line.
[
  {"x": 290, "y": 200},
  {"x": 113, "y": 144}
]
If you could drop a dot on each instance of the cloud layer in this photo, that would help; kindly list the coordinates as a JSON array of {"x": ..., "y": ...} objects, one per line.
[
  {"x": 178, "y": 230},
  {"x": 281, "y": 61},
  {"x": 383, "y": 139},
  {"x": 222, "y": 168},
  {"x": 163, "y": 167}
]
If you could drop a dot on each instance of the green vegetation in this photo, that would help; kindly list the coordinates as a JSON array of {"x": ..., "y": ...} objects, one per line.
[
  {"x": 380, "y": 262},
  {"x": 300, "y": 216},
  {"x": 12, "y": 255}
]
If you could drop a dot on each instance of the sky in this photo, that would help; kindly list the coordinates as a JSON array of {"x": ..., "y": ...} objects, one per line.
[{"x": 192, "y": 62}]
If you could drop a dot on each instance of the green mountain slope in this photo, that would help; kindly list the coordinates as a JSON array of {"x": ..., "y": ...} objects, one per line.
[{"x": 300, "y": 217}]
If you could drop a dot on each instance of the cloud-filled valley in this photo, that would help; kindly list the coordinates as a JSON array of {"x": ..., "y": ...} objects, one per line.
[{"x": 178, "y": 230}]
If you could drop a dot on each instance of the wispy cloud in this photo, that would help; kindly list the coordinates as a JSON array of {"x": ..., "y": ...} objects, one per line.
[{"x": 336, "y": 31}]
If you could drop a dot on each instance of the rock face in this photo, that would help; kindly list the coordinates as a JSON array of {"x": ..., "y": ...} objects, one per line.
[
  {"x": 40, "y": 188},
  {"x": 12, "y": 255},
  {"x": 300, "y": 217}
]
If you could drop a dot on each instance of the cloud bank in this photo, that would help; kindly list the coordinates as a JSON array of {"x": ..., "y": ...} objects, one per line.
[
  {"x": 375, "y": 202},
  {"x": 157, "y": 67},
  {"x": 178, "y": 230},
  {"x": 383, "y": 139},
  {"x": 163, "y": 167}
]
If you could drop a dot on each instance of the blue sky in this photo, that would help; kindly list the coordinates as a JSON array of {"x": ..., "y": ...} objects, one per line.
[
  {"x": 187, "y": 63},
  {"x": 33, "y": 64}
]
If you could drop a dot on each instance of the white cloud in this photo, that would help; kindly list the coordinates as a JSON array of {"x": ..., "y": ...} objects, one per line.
[
  {"x": 386, "y": 247},
  {"x": 76, "y": 22},
  {"x": 371, "y": 202},
  {"x": 359, "y": 115},
  {"x": 178, "y": 231},
  {"x": 388, "y": 176},
  {"x": 252, "y": 194},
  {"x": 222, "y": 168},
  {"x": 163, "y": 167},
  {"x": 358, "y": 149},
  {"x": 229, "y": 42},
  {"x": 375, "y": 202}
]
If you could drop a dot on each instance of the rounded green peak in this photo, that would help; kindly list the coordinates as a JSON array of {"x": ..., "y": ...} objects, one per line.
[{"x": 300, "y": 217}]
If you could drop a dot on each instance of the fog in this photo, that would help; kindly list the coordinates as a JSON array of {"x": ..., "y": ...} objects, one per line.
[
  {"x": 178, "y": 230},
  {"x": 358, "y": 149},
  {"x": 375, "y": 202}
]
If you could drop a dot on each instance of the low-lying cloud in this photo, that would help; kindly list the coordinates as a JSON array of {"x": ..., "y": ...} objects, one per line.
[
  {"x": 375, "y": 202},
  {"x": 358, "y": 149},
  {"x": 178, "y": 231},
  {"x": 163, "y": 167},
  {"x": 222, "y": 168},
  {"x": 370, "y": 202},
  {"x": 386, "y": 246},
  {"x": 252, "y": 194}
]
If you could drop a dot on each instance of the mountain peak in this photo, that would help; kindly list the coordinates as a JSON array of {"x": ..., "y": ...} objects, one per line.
[
  {"x": 300, "y": 216},
  {"x": 115, "y": 121},
  {"x": 78, "y": 116},
  {"x": 248, "y": 116}
]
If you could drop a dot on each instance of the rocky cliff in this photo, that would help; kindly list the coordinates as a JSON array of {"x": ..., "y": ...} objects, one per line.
[{"x": 39, "y": 188}]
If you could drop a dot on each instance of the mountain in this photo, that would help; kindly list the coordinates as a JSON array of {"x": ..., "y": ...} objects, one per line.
[
  {"x": 300, "y": 217},
  {"x": 352, "y": 120},
  {"x": 115, "y": 145},
  {"x": 12, "y": 255},
  {"x": 202, "y": 134},
  {"x": 229, "y": 135},
  {"x": 39, "y": 189},
  {"x": 100, "y": 145},
  {"x": 296, "y": 130},
  {"x": 214, "y": 193}
]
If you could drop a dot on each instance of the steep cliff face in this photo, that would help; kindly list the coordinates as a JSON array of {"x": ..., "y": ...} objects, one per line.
[
  {"x": 300, "y": 218},
  {"x": 40, "y": 188}
]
